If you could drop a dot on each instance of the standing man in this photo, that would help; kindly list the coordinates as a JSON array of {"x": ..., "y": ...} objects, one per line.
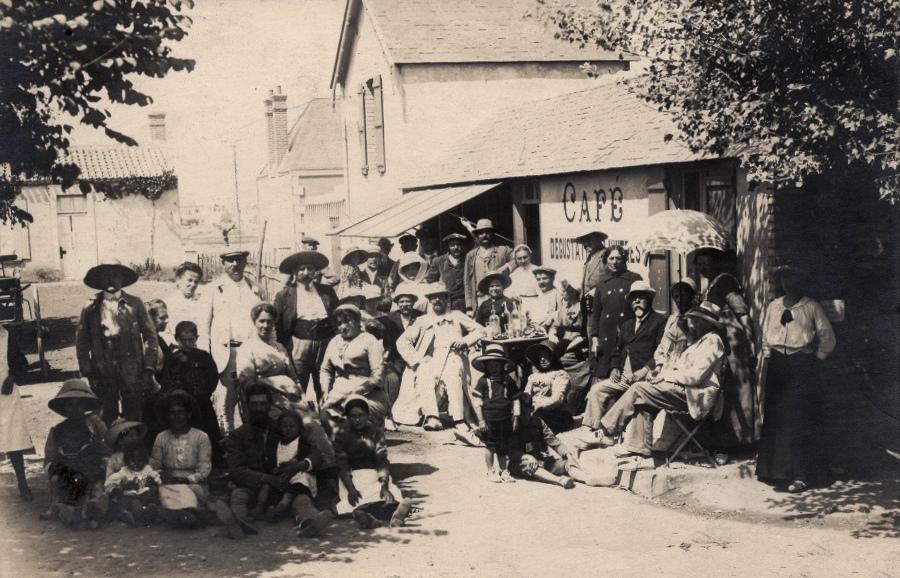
[
  {"x": 593, "y": 268},
  {"x": 188, "y": 303},
  {"x": 233, "y": 296},
  {"x": 450, "y": 268},
  {"x": 303, "y": 316},
  {"x": 428, "y": 246},
  {"x": 369, "y": 274},
  {"x": 386, "y": 264},
  {"x": 486, "y": 258},
  {"x": 116, "y": 343}
]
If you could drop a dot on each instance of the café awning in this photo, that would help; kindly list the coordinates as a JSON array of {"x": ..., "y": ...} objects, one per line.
[{"x": 413, "y": 208}]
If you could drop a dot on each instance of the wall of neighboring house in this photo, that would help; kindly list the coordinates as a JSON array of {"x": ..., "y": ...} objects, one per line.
[
  {"x": 276, "y": 203},
  {"x": 73, "y": 232},
  {"x": 428, "y": 107}
]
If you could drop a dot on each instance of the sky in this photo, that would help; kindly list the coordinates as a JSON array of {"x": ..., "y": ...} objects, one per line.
[{"x": 242, "y": 48}]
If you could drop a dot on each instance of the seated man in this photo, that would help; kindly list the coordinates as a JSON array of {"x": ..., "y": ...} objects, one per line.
[
  {"x": 689, "y": 383},
  {"x": 249, "y": 452},
  {"x": 633, "y": 358}
]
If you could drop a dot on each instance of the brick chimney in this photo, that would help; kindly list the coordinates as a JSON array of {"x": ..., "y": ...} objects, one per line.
[
  {"x": 157, "y": 126},
  {"x": 279, "y": 125},
  {"x": 270, "y": 134}
]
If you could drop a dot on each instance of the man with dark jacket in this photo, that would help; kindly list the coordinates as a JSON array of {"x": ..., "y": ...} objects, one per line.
[
  {"x": 250, "y": 452},
  {"x": 632, "y": 359},
  {"x": 116, "y": 343},
  {"x": 303, "y": 322},
  {"x": 450, "y": 268}
]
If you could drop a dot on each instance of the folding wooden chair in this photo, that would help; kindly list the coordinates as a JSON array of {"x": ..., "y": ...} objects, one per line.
[{"x": 688, "y": 436}]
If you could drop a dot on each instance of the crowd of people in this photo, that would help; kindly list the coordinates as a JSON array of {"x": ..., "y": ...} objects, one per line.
[{"x": 215, "y": 406}]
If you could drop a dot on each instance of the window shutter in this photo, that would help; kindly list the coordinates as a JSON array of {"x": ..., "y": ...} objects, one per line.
[
  {"x": 363, "y": 147},
  {"x": 378, "y": 136}
]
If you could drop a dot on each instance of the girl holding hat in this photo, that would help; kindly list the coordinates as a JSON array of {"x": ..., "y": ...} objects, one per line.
[
  {"x": 14, "y": 436},
  {"x": 74, "y": 456},
  {"x": 797, "y": 338},
  {"x": 353, "y": 365},
  {"x": 366, "y": 488}
]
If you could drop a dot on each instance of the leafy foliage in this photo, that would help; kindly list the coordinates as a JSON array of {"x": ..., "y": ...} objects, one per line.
[
  {"x": 791, "y": 88},
  {"x": 58, "y": 59},
  {"x": 151, "y": 188}
]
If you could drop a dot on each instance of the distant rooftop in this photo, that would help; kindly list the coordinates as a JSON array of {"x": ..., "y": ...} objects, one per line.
[{"x": 315, "y": 142}]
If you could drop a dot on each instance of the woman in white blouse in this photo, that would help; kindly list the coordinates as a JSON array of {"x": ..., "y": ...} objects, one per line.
[
  {"x": 797, "y": 337},
  {"x": 353, "y": 365}
]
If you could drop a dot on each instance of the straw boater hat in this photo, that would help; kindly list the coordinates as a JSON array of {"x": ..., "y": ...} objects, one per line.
[
  {"x": 533, "y": 350},
  {"x": 640, "y": 287},
  {"x": 73, "y": 389},
  {"x": 121, "y": 426},
  {"x": 291, "y": 263},
  {"x": 355, "y": 256},
  {"x": 436, "y": 288},
  {"x": 495, "y": 276},
  {"x": 544, "y": 269},
  {"x": 455, "y": 237},
  {"x": 706, "y": 311},
  {"x": 94, "y": 277},
  {"x": 234, "y": 254},
  {"x": 483, "y": 225},
  {"x": 493, "y": 352},
  {"x": 601, "y": 236},
  {"x": 405, "y": 289}
]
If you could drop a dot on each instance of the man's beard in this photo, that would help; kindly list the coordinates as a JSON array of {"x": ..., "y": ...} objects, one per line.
[{"x": 639, "y": 312}]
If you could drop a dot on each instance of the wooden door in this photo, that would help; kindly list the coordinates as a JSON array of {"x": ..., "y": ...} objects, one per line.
[{"x": 76, "y": 244}]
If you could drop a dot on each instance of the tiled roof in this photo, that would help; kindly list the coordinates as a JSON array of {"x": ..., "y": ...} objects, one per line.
[
  {"x": 117, "y": 162},
  {"x": 113, "y": 162},
  {"x": 473, "y": 31},
  {"x": 316, "y": 140},
  {"x": 599, "y": 128}
]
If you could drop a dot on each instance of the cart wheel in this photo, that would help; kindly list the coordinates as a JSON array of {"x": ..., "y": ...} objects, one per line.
[{"x": 39, "y": 333}]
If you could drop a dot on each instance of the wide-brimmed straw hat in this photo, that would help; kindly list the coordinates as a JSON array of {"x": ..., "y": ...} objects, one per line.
[
  {"x": 483, "y": 225},
  {"x": 121, "y": 426},
  {"x": 706, "y": 311},
  {"x": 355, "y": 256},
  {"x": 599, "y": 235},
  {"x": 291, "y": 263},
  {"x": 73, "y": 389},
  {"x": 531, "y": 353},
  {"x": 639, "y": 287},
  {"x": 94, "y": 277},
  {"x": 493, "y": 352},
  {"x": 436, "y": 288},
  {"x": 496, "y": 276},
  {"x": 405, "y": 289}
]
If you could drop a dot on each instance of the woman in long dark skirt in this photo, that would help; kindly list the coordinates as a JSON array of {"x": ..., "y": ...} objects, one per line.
[{"x": 797, "y": 337}]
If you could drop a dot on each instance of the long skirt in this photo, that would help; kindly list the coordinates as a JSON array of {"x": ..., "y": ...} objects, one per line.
[
  {"x": 366, "y": 482},
  {"x": 13, "y": 431},
  {"x": 791, "y": 444}
]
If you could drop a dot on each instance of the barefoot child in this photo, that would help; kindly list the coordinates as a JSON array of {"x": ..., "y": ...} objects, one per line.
[
  {"x": 73, "y": 458},
  {"x": 496, "y": 390},
  {"x": 135, "y": 487}
]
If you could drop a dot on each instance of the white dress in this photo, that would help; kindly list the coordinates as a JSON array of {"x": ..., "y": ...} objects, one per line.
[{"x": 14, "y": 434}]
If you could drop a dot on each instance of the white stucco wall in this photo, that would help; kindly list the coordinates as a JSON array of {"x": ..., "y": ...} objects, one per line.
[{"x": 428, "y": 107}]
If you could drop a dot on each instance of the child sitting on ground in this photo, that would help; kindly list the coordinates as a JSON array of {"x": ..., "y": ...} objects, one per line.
[
  {"x": 294, "y": 456},
  {"x": 73, "y": 458},
  {"x": 547, "y": 385},
  {"x": 537, "y": 454},
  {"x": 135, "y": 487},
  {"x": 496, "y": 390}
]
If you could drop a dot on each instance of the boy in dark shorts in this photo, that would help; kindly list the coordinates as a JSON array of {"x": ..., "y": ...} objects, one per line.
[
  {"x": 537, "y": 454},
  {"x": 496, "y": 390}
]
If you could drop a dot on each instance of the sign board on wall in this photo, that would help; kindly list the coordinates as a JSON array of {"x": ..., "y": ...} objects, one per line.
[{"x": 612, "y": 202}]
